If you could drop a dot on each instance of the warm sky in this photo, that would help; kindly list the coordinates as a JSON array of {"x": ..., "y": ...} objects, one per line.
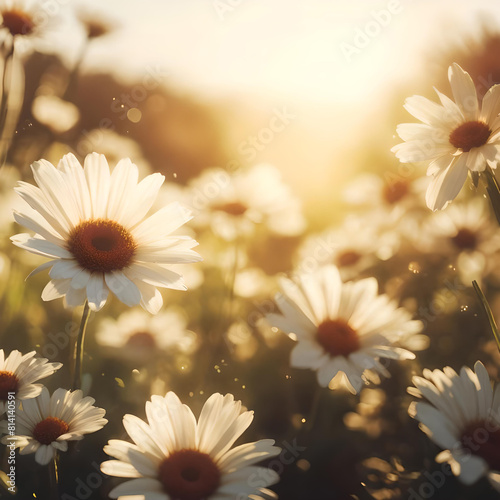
[
  {"x": 335, "y": 63},
  {"x": 281, "y": 46}
]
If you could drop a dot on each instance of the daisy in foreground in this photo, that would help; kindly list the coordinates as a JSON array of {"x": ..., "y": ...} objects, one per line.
[
  {"x": 46, "y": 424},
  {"x": 176, "y": 457},
  {"x": 463, "y": 418},
  {"x": 92, "y": 224},
  {"x": 18, "y": 373},
  {"x": 455, "y": 137},
  {"x": 342, "y": 330}
]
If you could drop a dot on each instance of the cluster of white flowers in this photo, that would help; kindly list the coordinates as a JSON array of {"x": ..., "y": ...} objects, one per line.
[{"x": 104, "y": 235}]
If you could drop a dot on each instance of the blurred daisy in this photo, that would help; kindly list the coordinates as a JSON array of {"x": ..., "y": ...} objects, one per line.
[
  {"x": 95, "y": 22},
  {"x": 462, "y": 416},
  {"x": 175, "y": 456},
  {"x": 18, "y": 373},
  {"x": 352, "y": 247},
  {"x": 93, "y": 226},
  {"x": 464, "y": 233},
  {"x": 233, "y": 204},
  {"x": 342, "y": 330},
  {"x": 138, "y": 336},
  {"x": 394, "y": 192},
  {"x": 456, "y": 137},
  {"x": 45, "y": 424},
  {"x": 28, "y": 24},
  {"x": 19, "y": 17},
  {"x": 56, "y": 114}
]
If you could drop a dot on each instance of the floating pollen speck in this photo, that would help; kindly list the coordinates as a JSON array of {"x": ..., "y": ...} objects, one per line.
[
  {"x": 120, "y": 382},
  {"x": 414, "y": 267}
]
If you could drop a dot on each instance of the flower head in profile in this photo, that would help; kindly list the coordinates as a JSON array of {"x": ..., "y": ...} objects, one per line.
[
  {"x": 462, "y": 416},
  {"x": 96, "y": 23},
  {"x": 18, "y": 374},
  {"x": 342, "y": 329},
  {"x": 45, "y": 424},
  {"x": 175, "y": 456},
  {"x": 93, "y": 226},
  {"x": 456, "y": 137}
]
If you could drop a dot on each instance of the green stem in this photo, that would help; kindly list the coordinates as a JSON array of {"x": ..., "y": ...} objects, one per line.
[
  {"x": 77, "y": 380},
  {"x": 54, "y": 477},
  {"x": 487, "y": 311},
  {"x": 6, "y": 84},
  {"x": 493, "y": 190},
  {"x": 314, "y": 411}
]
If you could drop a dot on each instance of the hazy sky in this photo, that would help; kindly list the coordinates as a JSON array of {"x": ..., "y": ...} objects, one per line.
[
  {"x": 324, "y": 50},
  {"x": 334, "y": 63}
]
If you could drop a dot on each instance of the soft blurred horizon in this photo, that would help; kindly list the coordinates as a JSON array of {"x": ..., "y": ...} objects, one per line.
[{"x": 335, "y": 66}]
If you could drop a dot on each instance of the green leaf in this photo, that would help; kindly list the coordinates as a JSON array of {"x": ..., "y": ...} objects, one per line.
[
  {"x": 493, "y": 190},
  {"x": 487, "y": 310}
]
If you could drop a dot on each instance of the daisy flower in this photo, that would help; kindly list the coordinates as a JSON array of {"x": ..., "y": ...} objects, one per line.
[
  {"x": 393, "y": 192},
  {"x": 137, "y": 335},
  {"x": 18, "y": 373},
  {"x": 462, "y": 416},
  {"x": 28, "y": 25},
  {"x": 45, "y": 424},
  {"x": 455, "y": 137},
  {"x": 464, "y": 233},
  {"x": 352, "y": 247},
  {"x": 176, "y": 457},
  {"x": 19, "y": 18},
  {"x": 95, "y": 22},
  {"x": 343, "y": 330},
  {"x": 232, "y": 205},
  {"x": 92, "y": 225}
]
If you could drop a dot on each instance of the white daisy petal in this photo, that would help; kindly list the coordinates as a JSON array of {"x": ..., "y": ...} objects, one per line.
[
  {"x": 447, "y": 184},
  {"x": 174, "y": 444},
  {"x": 464, "y": 91},
  {"x": 93, "y": 227},
  {"x": 460, "y": 418}
]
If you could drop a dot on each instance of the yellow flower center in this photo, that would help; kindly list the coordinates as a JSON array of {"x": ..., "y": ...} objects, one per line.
[
  {"x": 17, "y": 22},
  {"x": 48, "y": 430},
  {"x": 8, "y": 383},
  {"x": 101, "y": 245},
  {"x": 470, "y": 135},
  {"x": 465, "y": 239},
  {"x": 337, "y": 337},
  {"x": 348, "y": 258},
  {"x": 482, "y": 438},
  {"x": 189, "y": 475},
  {"x": 141, "y": 340},
  {"x": 395, "y": 191},
  {"x": 232, "y": 208}
]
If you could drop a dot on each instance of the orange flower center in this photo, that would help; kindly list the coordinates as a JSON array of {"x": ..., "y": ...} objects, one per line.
[
  {"x": 232, "y": 208},
  {"x": 465, "y": 239},
  {"x": 95, "y": 29},
  {"x": 141, "y": 340},
  {"x": 395, "y": 191},
  {"x": 337, "y": 337},
  {"x": 8, "y": 383},
  {"x": 49, "y": 430},
  {"x": 482, "y": 438},
  {"x": 470, "y": 135},
  {"x": 348, "y": 258},
  {"x": 101, "y": 245},
  {"x": 189, "y": 475},
  {"x": 17, "y": 22}
]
